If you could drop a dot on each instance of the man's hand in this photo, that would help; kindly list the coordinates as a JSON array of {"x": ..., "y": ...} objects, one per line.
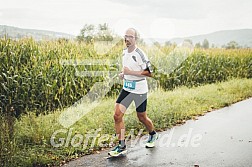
[{"x": 121, "y": 75}]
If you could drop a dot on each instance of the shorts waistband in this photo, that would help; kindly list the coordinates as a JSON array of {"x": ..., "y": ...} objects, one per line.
[{"x": 134, "y": 80}]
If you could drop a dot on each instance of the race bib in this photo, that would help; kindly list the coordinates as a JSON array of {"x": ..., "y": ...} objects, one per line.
[{"x": 130, "y": 84}]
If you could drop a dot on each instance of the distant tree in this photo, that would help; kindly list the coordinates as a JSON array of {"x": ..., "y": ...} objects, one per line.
[
  {"x": 174, "y": 44},
  {"x": 62, "y": 40},
  {"x": 232, "y": 45},
  {"x": 198, "y": 45},
  {"x": 104, "y": 33},
  {"x": 188, "y": 41},
  {"x": 18, "y": 36},
  {"x": 87, "y": 33},
  {"x": 205, "y": 44},
  {"x": 246, "y": 46},
  {"x": 157, "y": 44},
  {"x": 168, "y": 43},
  {"x": 141, "y": 42}
]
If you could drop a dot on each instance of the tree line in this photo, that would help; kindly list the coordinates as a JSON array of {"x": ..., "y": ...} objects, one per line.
[
  {"x": 205, "y": 44},
  {"x": 102, "y": 32}
]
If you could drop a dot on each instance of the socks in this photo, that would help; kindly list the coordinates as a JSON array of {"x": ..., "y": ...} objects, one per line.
[
  {"x": 152, "y": 133},
  {"x": 122, "y": 143}
]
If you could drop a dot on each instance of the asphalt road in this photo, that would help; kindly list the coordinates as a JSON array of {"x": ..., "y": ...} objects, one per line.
[{"x": 220, "y": 138}]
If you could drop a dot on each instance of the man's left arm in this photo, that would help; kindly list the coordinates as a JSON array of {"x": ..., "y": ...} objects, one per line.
[{"x": 146, "y": 72}]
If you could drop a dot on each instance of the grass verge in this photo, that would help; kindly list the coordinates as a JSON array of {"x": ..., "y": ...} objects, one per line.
[{"x": 31, "y": 144}]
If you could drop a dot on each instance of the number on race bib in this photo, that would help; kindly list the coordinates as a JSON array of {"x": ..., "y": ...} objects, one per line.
[{"x": 130, "y": 84}]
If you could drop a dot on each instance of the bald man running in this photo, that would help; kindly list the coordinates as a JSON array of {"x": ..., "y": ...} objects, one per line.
[{"x": 136, "y": 67}]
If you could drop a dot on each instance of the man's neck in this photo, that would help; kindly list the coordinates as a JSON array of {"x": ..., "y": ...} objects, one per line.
[{"x": 131, "y": 48}]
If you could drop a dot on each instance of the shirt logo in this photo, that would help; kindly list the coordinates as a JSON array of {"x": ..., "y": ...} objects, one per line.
[{"x": 134, "y": 58}]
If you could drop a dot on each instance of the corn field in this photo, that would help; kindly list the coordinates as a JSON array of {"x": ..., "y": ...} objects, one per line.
[{"x": 33, "y": 78}]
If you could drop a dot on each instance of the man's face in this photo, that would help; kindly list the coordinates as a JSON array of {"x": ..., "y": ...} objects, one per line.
[{"x": 130, "y": 38}]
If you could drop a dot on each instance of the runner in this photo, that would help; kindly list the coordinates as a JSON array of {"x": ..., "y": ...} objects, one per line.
[{"x": 136, "y": 67}]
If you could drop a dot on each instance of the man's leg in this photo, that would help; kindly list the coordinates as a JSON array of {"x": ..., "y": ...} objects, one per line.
[
  {"x": 122, "y": 102},
  {"x": 141, "y": 104},
  {"x": 142, "y": 116},
  {"x": 153, "y": 136},
  {"x": 120, "y": 130},
  {"x": 119, "y": 123}
]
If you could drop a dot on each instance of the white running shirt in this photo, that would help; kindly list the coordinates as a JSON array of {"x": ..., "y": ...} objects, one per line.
[{"x": 135, "y": 61}]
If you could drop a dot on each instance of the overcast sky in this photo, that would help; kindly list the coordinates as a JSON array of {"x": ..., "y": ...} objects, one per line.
[{"x": 159, "y": 18}]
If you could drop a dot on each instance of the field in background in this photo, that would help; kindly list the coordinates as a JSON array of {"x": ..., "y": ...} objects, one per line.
[{"x": 33, "y": 77}]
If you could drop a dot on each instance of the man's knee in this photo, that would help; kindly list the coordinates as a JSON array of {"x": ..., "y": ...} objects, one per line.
[
  {"x": 118, "y": 115},
  {"x": 117, "y": 118}
]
